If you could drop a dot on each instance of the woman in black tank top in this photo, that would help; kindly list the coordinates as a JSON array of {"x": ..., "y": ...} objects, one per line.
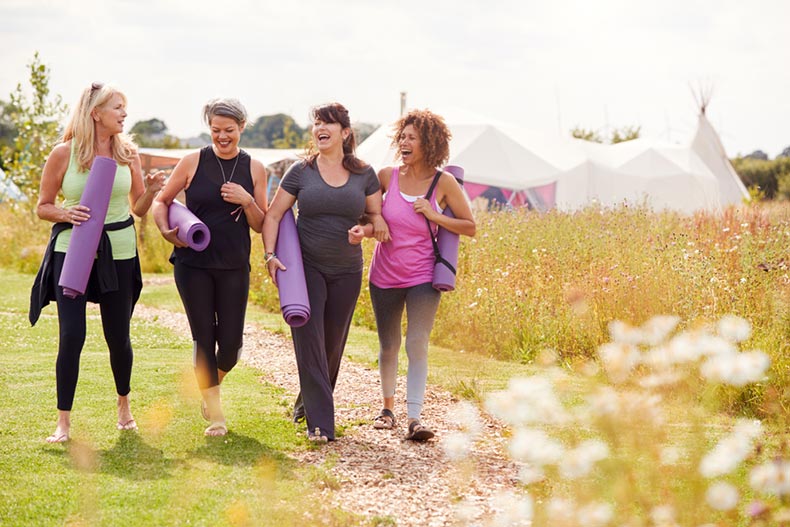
[{"x": 226, "y": 189}]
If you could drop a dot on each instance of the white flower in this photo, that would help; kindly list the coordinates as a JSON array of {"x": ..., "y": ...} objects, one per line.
[
  {"x": 595, "y": 514},
  {"x": 468, "y": 418},
  {"x": 771, "y": 478},
  {"x": 512, "y": 509},
  {"x": 722, "y": 496},
  {"x": 670, "y": 455},
  {"x": 731, "y": 450},
  {"x": 527, "y": 400},
  {"x": 734, "y": 328},
  {"x": 579, "y": 462},
  {"x": 736, "y": 369},
  {"x": 457, "y": 446},
  {"x": 535, "y": 447},
  {"x": 605, "y": 402},
  {"x": 618, "y": 359},
  {"x": 623, "y": 333},
  {"x": 663, "y": 515},
  {"x": 467, "y": 511},
  {"x": 561, "y": 511},
  {"x": 527, "y": 474},
  {"x": 655, "y": 330}
]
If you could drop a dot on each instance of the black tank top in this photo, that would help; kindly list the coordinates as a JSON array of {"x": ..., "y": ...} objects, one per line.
[{"x": 229, "y": 247}]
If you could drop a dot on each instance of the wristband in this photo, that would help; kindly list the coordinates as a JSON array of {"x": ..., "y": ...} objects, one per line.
[{"x": 268, "y": 257}]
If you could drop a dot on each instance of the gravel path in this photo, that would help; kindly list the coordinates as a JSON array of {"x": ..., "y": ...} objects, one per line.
[{"x": 381, "y": 474}]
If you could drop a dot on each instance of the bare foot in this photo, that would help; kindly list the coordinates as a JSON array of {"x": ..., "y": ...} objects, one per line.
[
  {"x": 125, "y": 419},
  {"x": 60, "y": 435}
]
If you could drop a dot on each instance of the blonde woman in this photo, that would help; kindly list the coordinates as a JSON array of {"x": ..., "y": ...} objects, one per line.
[{"x": 95, "y": 129}]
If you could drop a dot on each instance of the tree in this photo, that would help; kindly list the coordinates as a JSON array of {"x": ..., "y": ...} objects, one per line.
[
  {"x": 617, "y": 135},
  {"x": 586, "y": 135},
  {"x": 7, "y": 129},
  {"x": 150, "y": 127},
  {"x": 37, "y": 124},
  {"x": 274, "y": 131}
]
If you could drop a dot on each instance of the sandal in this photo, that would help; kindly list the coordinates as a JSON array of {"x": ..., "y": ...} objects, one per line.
[
  {"x": 217, "y": 429},
  {"x": 419, "y": 432},
  {"x": 128, "y": 425},
  {"x": 204, "y": 410},
  {"x": 316, "y": 436},
  {"x": 385, "y": 420}
]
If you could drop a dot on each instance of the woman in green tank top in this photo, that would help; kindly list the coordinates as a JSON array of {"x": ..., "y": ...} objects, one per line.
[{"x": 95, "y": 129}]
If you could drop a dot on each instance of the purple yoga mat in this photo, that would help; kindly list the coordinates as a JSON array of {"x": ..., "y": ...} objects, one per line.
[
  {"x": 191, "y": 230},
  {"x": 443, "y": 277},
  {"x": 294, "y": 302},
  {"x": 85, "y": 237}
]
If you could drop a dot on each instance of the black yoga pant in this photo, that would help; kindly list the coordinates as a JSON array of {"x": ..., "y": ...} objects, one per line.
[
  {"x": 319, "y": 344},
  {"x": 116, "y": 312},
  {"x": 215, "y": 301}
]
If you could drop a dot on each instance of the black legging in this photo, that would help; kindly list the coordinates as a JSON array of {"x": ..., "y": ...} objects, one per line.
[
  {"x": 116, "y": 312},
  {"x": 319, "y": 344},
  {"x": 215, "y": 301}
]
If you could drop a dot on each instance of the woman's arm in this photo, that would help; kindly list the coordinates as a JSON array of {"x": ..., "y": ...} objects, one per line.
[
  {"x": 373, "y": 205},
  {"x": 450, "y": 194},
  {"x": 51, "y": 181},
  {"x": 281, "y": 202},
  {"x": 143, "y": 192},
  {"x": 178, "y": 181}
]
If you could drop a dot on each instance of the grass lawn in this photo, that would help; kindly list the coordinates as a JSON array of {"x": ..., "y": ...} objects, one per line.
[{"x": 168, "y": 473}]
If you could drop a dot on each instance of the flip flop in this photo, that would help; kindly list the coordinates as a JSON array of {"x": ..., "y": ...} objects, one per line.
[
  {"x": 204, "y": 410},
  {"x": 57, "y": 438},
  {"x": 216, "y": 430},
  {"x": 128, "y": 425}
]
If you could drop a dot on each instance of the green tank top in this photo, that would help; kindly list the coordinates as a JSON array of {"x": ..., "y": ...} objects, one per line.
[{"x": 124, "y": 241}]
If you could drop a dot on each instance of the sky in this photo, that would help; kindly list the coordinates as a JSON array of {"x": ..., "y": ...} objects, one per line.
[{"x": 548, "y": 65}]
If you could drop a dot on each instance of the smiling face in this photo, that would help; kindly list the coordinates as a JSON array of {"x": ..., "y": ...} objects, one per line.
[
  {"x": 410, "y": 145},
  {"x": 110, "y": 116},
  {"x": 328, "y": 136},
  {"x": 225, "y": 134}
]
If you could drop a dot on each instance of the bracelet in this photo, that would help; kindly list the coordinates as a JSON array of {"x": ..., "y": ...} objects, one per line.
[{"x": 268, "y": 257}]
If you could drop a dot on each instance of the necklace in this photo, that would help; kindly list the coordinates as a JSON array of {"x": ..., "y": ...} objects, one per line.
[{"x": 233, "y": 171}]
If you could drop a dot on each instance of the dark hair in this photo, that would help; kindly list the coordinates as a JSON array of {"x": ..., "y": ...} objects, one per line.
[
  {"x": 336, "y": 113},
  {"x": 434, "y": 135}
]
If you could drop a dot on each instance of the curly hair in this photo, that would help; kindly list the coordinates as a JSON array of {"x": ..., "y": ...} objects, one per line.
[{"x": 434, "y": 135}]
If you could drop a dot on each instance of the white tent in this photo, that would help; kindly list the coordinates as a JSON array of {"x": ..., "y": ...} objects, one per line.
[
  {"x": 707, "y": 145},
  {"x": 492, "y": 153}
]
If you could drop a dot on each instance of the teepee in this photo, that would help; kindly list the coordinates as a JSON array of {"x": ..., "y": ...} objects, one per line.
[{"x": 707, "y": 145}]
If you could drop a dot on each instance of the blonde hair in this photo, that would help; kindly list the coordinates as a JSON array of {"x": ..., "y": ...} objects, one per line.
[{"x": 81, "y": 129}]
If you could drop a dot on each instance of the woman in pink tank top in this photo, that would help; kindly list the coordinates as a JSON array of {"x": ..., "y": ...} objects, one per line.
[{"x": 401, "y": 272}]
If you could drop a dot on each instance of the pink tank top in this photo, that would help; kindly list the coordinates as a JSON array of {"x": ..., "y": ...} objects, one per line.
[{"x": 406, "y": 260}]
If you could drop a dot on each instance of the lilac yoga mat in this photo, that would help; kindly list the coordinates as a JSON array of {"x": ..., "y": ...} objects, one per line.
[
  {"x": 294, "y": 302},
  {"x": 443, "y": 277},
  {"x": 191, "y": 230},
  {"x": 85, "y": 237}
]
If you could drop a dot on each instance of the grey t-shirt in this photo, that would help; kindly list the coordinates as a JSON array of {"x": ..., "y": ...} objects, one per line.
[{"x": 325, "y": 215}]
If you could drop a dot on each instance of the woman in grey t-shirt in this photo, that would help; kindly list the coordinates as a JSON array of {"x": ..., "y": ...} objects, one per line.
[{"x": 332, "y": 189}]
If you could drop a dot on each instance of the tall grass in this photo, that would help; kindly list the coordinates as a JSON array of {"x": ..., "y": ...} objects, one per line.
[{"x": 531, "y": 281}]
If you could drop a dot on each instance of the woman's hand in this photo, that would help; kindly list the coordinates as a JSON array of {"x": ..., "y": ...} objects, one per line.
[
  {"x": 154, "y": 182},
  {"x": 423, "y": 206},
  {"x": 171, "y": 235},
  {"x": 77, "y": 214},
  {"x": 381, "y": 230},
  {"x": 235, "y": 193},
  {"x": 272, "y": 265},
  {"x": 356, "y": 234}
]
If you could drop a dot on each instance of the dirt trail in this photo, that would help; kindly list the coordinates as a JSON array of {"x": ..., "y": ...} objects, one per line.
[{"x": 380, "y": 474}]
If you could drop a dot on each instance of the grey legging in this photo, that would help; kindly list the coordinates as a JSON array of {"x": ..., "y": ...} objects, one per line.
[{"x": 421, "y": 302}]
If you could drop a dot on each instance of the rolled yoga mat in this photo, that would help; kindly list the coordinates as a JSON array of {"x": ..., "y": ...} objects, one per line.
[
  {"x": 191, "y": 230},
  {"x": 443, "y": 276},
  {"x": 294, "y": 302},
  {"x": 85, "y": 237}
]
